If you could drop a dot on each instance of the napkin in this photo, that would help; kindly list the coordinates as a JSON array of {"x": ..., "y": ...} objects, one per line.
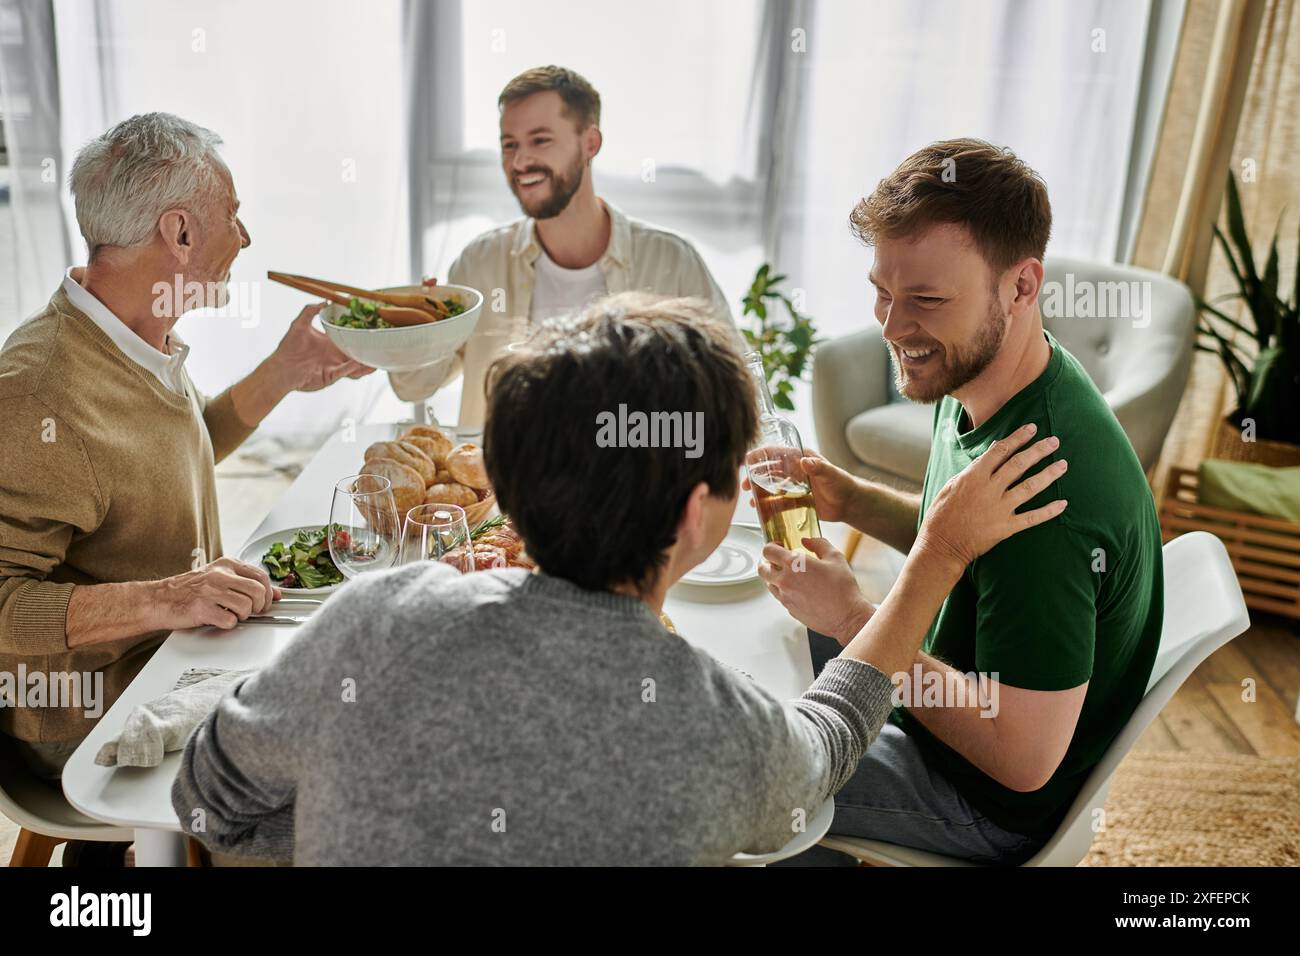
[{"x": 165, "y": 724}]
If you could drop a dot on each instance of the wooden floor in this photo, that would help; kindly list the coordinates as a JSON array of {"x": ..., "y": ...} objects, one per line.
[{"x": 1242, "y": 700}]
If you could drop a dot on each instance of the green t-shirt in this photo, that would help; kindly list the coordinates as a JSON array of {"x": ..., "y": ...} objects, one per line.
[{"x": 1079, "y": 598}]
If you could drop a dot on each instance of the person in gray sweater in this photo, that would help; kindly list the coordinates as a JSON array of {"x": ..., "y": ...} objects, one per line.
[{"x": 549, "y": 718}]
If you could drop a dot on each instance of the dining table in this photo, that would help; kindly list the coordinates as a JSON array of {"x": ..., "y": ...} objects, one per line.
[{"x": 741, "y": 625}]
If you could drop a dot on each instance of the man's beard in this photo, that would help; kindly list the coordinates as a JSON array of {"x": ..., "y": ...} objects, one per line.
[
  {"x": 960, "y": 366},
  {"x": 563, "y": 186}
]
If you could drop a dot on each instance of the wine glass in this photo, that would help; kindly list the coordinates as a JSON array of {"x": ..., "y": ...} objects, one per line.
[
  {"x": 364, "y": 533},
  {"x": 437, "y": 532}
]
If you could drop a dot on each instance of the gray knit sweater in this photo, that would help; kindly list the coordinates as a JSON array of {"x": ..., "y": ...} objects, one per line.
[{"x": 424, "y": 717}]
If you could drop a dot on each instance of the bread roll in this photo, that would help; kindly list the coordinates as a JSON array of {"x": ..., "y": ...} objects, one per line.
[
  {"x": 407, "y": 454},
  {"x": 450, "y": 494},
  {"x": 408, "y": 486},
  {"x": 441, "y": 440},
  {"x": 465, "y": 462},
  {"x": 429, "y": 447}
]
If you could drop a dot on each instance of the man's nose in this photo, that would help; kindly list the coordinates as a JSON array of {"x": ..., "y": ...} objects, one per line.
[
  {"x": 245, "y": 240},
  {"x": 895, "y": 324}
]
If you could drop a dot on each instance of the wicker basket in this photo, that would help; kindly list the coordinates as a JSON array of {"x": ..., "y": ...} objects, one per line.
[
  {"x": 1228, "y": 446},
  {"x": 1265, "y": 551},
  {"x": 475, "y": 513}
]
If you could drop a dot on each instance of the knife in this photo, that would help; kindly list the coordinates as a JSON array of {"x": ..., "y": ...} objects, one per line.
[{"x": 292, "y": 616}]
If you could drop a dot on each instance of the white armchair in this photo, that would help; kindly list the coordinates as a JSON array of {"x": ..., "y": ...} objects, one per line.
[{"x": 1139, "y": 361}]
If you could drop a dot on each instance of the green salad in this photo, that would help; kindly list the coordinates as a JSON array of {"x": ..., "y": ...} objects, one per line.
[
  {"x": 363, "y": 314},
  {"x": 305, "y": 561}
]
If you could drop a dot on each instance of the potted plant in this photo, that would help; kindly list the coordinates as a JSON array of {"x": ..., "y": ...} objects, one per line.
[
  {"x": 1265, "y": 422},
  {"x": 786, "y": 344}
]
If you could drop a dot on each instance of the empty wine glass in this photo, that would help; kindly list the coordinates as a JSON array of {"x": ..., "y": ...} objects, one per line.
[
  {"x": 438, "y": 532},
  {"x": 365, "y": 534}
]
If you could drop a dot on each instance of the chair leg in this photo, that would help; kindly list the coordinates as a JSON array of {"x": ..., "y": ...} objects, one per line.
[
  {"x": 851, "y": 544},
  {"x": 194, "y": 853},
  {"x": 33, "y": 849}
]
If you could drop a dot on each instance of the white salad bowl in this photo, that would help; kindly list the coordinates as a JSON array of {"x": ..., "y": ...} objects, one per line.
[{"x": 407, "y": 347}]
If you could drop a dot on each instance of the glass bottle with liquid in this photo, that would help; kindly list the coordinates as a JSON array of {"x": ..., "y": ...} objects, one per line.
[{"x": 782, "y": 491}]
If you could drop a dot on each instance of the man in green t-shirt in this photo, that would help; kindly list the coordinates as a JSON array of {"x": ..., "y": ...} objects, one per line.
[{"x": 1044, "y": 648}]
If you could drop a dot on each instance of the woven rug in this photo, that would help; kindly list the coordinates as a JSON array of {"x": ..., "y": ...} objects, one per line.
[{"x": 1198, "y": 809}]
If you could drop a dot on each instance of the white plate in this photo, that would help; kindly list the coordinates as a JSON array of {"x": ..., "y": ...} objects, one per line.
[
  {"x": 733, "y": 562},
  {"x": 253, "y": 551}
]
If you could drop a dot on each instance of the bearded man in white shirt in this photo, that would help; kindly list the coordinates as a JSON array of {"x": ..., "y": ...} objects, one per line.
[{"x": 571, "y": 246}]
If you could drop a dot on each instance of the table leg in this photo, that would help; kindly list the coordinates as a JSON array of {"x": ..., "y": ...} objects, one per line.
[{"x": 159, "y": 848}]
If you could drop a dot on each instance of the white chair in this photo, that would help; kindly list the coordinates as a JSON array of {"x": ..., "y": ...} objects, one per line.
[
  {"x": 814, "y": 830},
  {"x": 1204, "y": 610},
  {"x": 46, "y": 819}
]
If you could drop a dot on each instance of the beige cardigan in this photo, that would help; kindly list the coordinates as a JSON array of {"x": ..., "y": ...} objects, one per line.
[{"x": 106, "y": 475}]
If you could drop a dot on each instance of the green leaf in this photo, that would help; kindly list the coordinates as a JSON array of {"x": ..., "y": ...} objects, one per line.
[
  {"x": 1236, "y": 368},
  {"x": 1206, "y": 307},
  {"x": 801, "y": 337},
  {"x": 1269, "y": 281},
  {"x": 1295, "y": 295},
  {"x": 785, "y": 343},
  {"x": 1237, "y": 228},
  {"x": 277, "y": 560},
  {"x": 1232, "y": 262}
]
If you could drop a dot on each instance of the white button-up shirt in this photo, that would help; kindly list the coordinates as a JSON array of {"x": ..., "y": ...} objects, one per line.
[
  {"x": 501, "y": 263},
  {"x": 167, "y": 368}
]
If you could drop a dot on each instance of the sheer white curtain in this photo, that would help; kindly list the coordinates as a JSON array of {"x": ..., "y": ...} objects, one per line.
[
  {"x": 307, "y": 96},
  {"x": 363, "y": 138},
  {"x": 36, "y": 245},
  {"x": 1055, "y": 80}
]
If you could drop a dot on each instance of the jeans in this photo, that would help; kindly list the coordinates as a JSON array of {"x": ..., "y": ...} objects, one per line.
[{"x": 895, "y": 798}]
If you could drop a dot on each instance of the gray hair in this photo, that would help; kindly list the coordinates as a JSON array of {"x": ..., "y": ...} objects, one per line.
[{"x": 125, "y": 180}]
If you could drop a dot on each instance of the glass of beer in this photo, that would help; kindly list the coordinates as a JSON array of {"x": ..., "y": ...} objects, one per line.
[
  {"x": 782, "y": 491},
  {"x": 783, "y": 495}
]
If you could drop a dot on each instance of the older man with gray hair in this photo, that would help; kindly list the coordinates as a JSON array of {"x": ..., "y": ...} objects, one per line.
[{"x": 109, "y": 536}]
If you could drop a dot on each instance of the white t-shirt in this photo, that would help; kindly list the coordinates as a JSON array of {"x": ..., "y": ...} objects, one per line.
[{"x": 559, "y": 291}]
